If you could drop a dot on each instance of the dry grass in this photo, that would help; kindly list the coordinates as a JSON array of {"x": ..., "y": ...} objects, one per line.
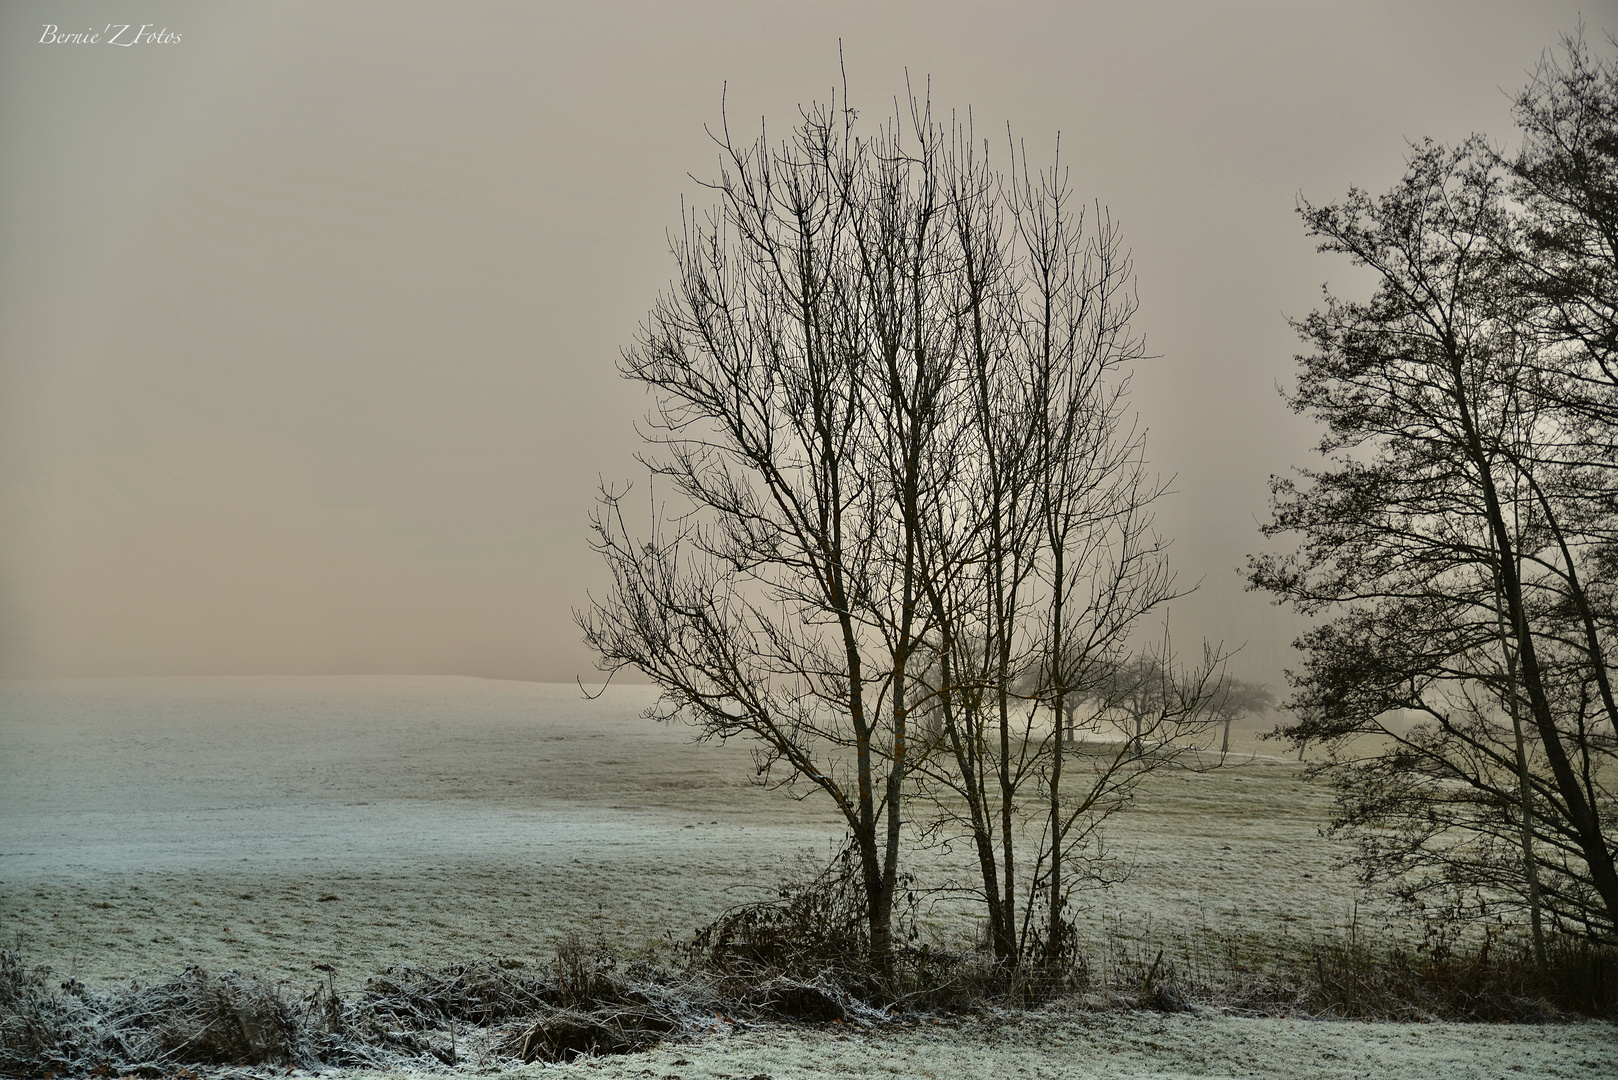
[
  {"x": 192, "y": 1019},
  {"x": 1343, "y": 978},
  {"x": 589, "y": 1003}
]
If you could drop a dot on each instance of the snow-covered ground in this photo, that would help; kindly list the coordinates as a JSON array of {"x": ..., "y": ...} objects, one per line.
[
  {"x": 1116, "y": 1046},
  {"x": 268, "y": 824}
]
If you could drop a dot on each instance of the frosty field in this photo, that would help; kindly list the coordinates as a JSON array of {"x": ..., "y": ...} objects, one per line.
[{"x": 271, "y": 824}]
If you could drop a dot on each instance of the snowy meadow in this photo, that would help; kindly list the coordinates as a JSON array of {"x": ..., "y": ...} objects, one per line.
[{"x": 269, "y": 825}]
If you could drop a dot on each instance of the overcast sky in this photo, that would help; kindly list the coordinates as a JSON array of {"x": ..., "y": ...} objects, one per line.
[{"x": 308, "y": 320}]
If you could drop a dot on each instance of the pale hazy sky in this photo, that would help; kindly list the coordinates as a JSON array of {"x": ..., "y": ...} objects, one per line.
[{"x": 308, "y": 322}]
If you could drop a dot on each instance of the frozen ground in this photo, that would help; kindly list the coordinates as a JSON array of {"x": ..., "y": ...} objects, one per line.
[
  {"x": 270, "y": 824},
  {"x": 1115, "y": 1046}
]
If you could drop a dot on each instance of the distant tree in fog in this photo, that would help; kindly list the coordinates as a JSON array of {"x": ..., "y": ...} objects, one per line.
[{"x": 1235, "y": 699}]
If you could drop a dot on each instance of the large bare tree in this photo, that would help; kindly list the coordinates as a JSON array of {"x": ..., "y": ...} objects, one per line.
[
  {"x": 1456, "y": 536},
  {"x": 801, "y": 382},
  {"x": 897, "y": 477},
  {"x": 1041, "y": 548}
]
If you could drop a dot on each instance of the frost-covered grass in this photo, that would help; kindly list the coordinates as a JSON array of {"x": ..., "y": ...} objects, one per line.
[
  {"x": 1079, "y": 1046},
  {"x": 153, "y": 823},
  {"x": 273, "y": 824}
]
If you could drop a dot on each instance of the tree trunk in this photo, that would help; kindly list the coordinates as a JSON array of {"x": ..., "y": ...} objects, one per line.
[
  {"x": 1053, "y": 932},
  {"x": 1525, "y": 793},
  {"x": 1054, "y": 937},
  {"x": 1581, "y": 815}
]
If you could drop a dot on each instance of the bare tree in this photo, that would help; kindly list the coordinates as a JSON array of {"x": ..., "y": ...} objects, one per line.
[
  {"x": 1565, "y": 178},
  {"x": 890, "y": 403},
  {"x": 1045, "y": 549},
  {"x": 796, "y": 391},
  {"x": 1453, "y": 536}
]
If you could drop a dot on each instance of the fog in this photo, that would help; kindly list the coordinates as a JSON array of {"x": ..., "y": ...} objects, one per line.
[{"x": 309, "y": 321}]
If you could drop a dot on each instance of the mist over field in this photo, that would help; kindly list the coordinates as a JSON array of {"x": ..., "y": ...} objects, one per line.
[{"x": 549, "y": 808}]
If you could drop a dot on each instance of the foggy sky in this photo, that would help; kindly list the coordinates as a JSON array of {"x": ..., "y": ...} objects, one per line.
[{"x": 308, "y": 323}]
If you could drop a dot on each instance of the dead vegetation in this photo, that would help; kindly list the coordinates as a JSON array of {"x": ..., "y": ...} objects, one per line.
[
  {"x": 1347, "y": 977},
  {"x": 798, "y": 956},
  {"x": 589, "y": 1002},
  {"x": 194, "y": 1019}
]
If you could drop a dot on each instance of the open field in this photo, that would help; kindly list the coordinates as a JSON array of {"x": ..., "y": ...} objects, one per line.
[
  {"x": 271, "y": 824},
  {"x": 154, "y": 823}
]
